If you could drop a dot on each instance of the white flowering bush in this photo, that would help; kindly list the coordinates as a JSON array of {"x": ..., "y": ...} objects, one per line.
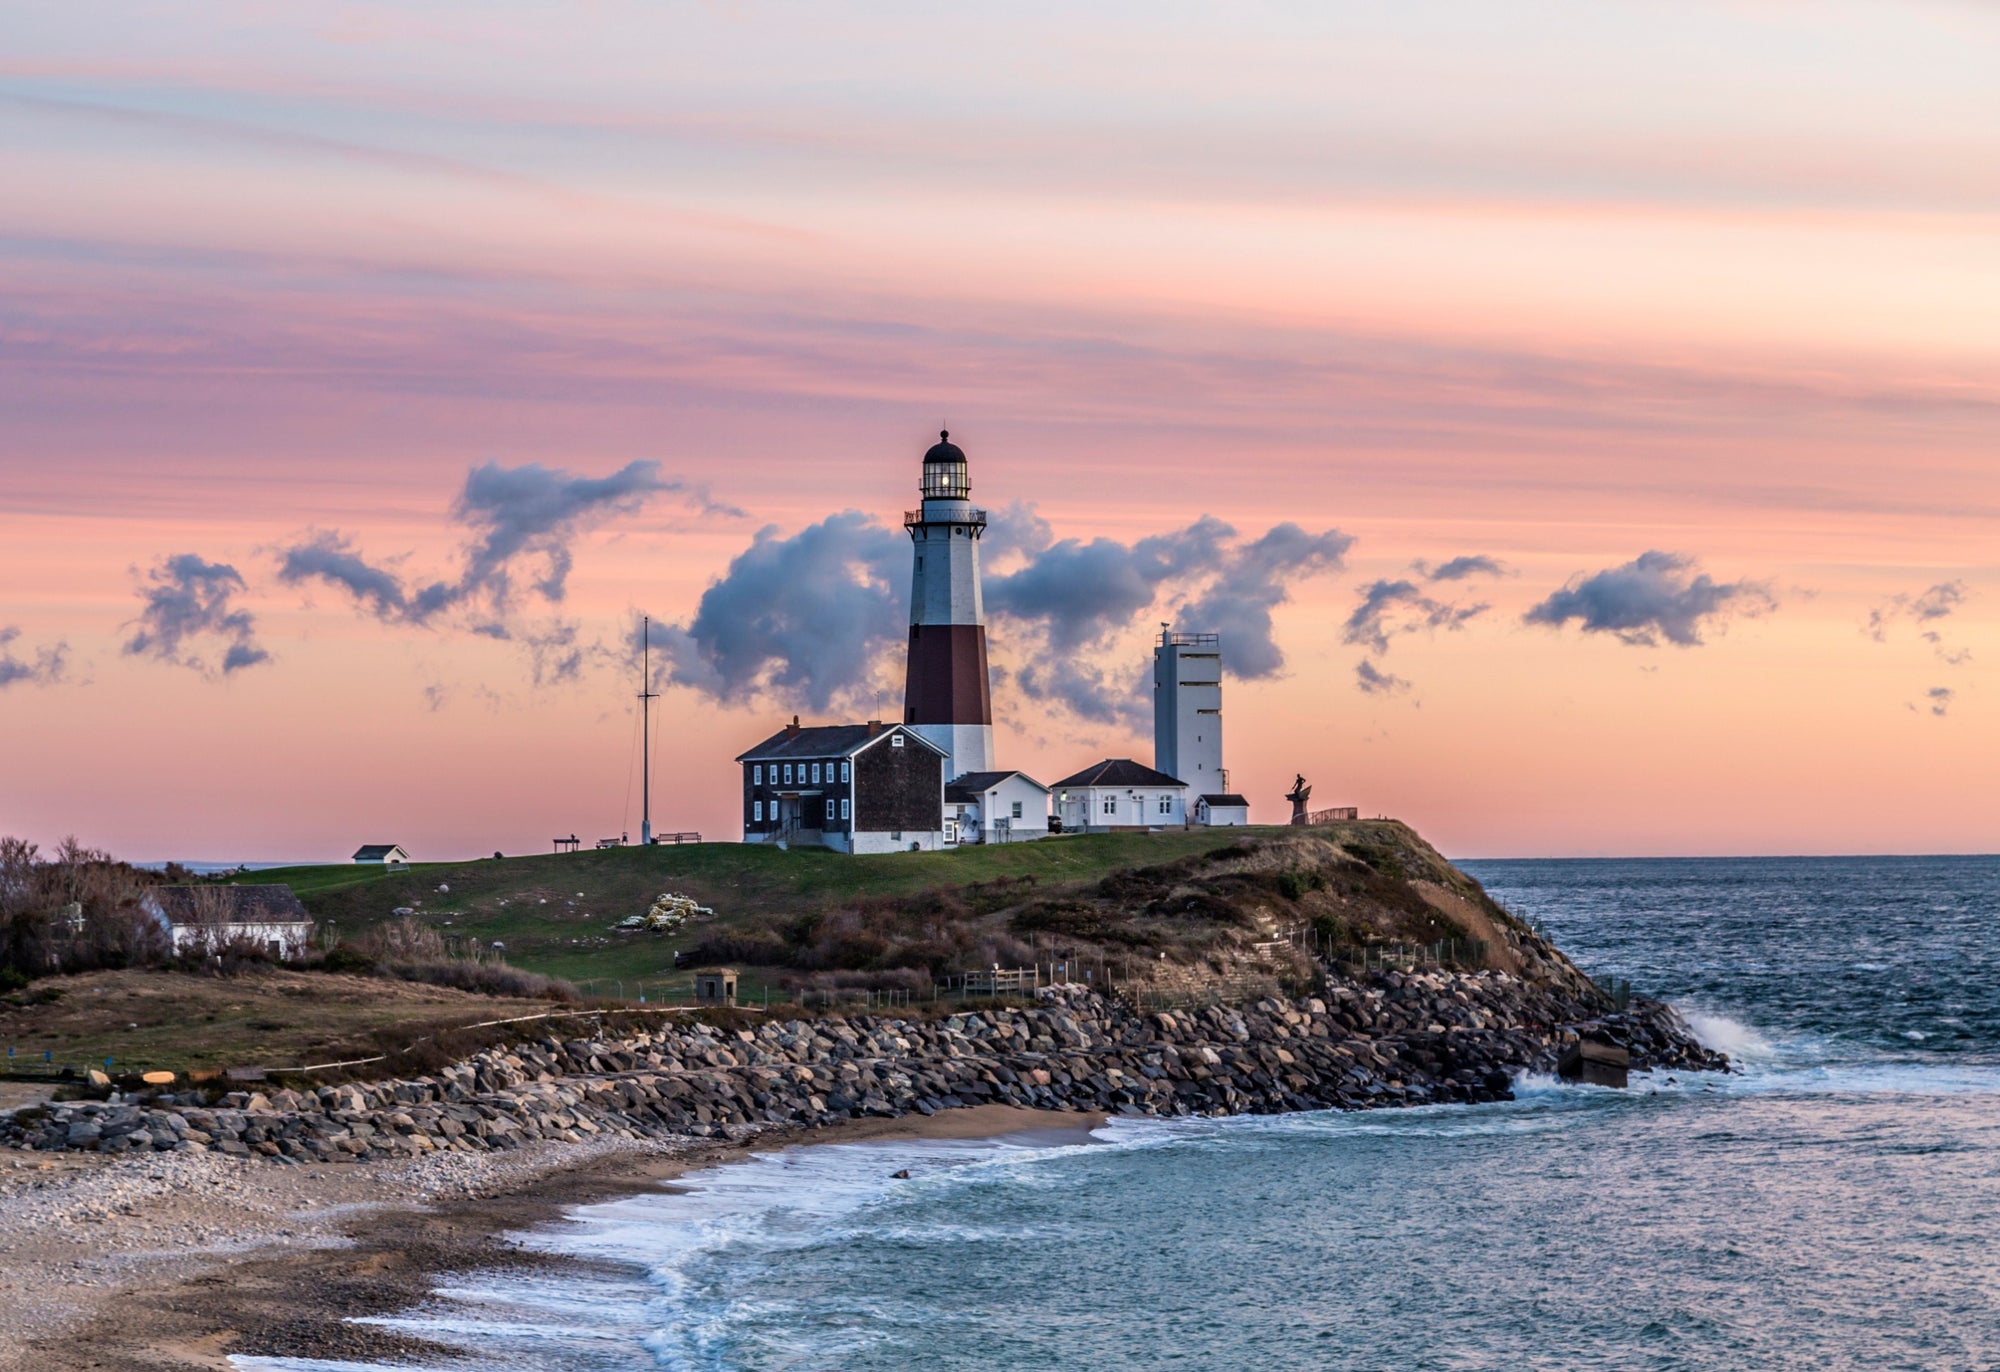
[{"x": 668, "y": 913}]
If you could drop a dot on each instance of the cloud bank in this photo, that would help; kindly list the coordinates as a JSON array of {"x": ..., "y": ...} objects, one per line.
[
  {"x": 1928, "y": 607},
  {"x": 525, "y": 522},
  {"x": 47, "y": 667},
  {"x": 1389, "y": 609},
  {"x": 811, "y": 620},
  {"x": 1068, "y": 605},
  {"x": 801, "y": 620},
  {"x": 1371, "y": 680},
  {"x": 1460, "y": 568},
  {"x": 191, "y": 598},
  {"x": 1933, "y": 604},
  {"x": 1655, "y": 596}
]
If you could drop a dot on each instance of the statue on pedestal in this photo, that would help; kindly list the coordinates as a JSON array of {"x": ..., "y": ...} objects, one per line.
[{"x": 1299, "y": 795}]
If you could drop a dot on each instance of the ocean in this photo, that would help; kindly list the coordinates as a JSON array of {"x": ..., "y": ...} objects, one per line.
[{"x": 1834, "y": 1204}]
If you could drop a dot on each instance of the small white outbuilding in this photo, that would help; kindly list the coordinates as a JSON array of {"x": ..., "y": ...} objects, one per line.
[
  {"x": 1221, "y": 811},
  {"x": 210, "y": 919},
  {"x": 995, "y": 807},
  {"x": 1119, "y": 793}
]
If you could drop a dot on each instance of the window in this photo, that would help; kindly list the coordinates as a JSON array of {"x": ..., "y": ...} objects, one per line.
[
  {"x": 843, "y": 809},
  {"x": 815, "y": 774},
  {"x": 788, "y": 774},
  {"x": 895, "y": 740},
  {"x": 1166, "y": 805},
  {"x": 843, "y": 771},
  {"x": 757, "y": 775},
  {"x": 1017, "y": 809},
  {"x": 757, "y": 812},
  {"x": 829, "y": 809},
  {"x": 1111, "y": 805}
]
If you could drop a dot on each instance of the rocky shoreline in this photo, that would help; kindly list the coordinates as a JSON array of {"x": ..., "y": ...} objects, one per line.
[{"x": 1395, "y": 1039}]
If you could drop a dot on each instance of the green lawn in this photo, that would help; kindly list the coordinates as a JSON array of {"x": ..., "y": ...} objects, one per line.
[{"x": 556, "y": 913}]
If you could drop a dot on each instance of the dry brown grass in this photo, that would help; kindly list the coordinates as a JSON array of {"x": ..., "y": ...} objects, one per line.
[{"x": 261, "y": 1017}]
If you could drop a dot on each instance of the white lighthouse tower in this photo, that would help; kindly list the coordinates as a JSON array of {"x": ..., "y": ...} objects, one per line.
[
  {"x": 1187, "y": 710},
  {"x": 947, "y": 696}
]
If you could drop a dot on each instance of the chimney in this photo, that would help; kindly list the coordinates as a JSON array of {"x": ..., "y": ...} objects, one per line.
[
  {"x": 874, "y": 727},
  {"x": 792, "y": 729}
]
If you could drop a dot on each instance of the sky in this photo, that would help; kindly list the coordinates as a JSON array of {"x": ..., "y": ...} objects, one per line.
[{"x": 1580, "y": 420}]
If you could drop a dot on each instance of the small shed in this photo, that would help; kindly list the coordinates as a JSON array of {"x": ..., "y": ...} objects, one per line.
[
  {"x": 211, "y": 918},
  {"x": 391, "y": 854},
  {"x": 715, "y": 986},
  {"x": 1223, "y": 811}
]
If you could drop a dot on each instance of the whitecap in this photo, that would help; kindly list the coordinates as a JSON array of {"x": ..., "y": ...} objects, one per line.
[{"x": 1722, "y": 1034}]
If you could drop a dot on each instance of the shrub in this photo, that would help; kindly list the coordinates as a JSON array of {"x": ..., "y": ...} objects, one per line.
[
  {"x": 1293, "y": 885},
  {"x": 756, "y": 946},
  {"x": 347, "y": 958},
  {"x": 76, "y": 911},
  {"x": 402, "y": 940}
]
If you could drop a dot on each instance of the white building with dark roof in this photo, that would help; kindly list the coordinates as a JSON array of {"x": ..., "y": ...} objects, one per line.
[
  {"x": 1224, "y": 811},
  {"x": 391, "y": 854},
  {"x": 995, "y": 807},
  {"x": 855, "y": 788},
  {"x": 1119, "y": 793},
  {"x": 211, "y": 918}
]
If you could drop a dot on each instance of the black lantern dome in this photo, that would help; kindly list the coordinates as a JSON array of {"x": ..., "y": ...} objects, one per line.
[{"x": 945, "y": 473}]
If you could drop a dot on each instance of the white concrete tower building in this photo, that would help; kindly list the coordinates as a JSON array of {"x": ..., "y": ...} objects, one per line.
[
  {"x": 948, "y": 698},
  {"x": 1187, "y": 711}
]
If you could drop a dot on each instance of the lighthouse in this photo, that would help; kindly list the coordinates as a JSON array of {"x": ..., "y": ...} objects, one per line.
[{"x": 947, "y": 698}]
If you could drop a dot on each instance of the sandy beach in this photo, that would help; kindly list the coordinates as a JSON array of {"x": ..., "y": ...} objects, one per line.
[{"x": 169, "y": 1261}]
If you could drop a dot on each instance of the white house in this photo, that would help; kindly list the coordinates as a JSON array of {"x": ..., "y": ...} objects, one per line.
[
  {"x": 1222, "y": 811},
  {"x": 210, "y": 918},
  {"x": 1119, "y": 793},
  {"x": 389, "y": 853},
  {"x": 995, "y": 807}
]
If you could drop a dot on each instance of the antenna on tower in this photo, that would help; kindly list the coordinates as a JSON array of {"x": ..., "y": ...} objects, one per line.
[{"x": 647, "y": 695}]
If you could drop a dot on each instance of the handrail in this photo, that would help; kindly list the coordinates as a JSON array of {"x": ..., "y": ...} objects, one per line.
[{"x": 915, "y": 518}]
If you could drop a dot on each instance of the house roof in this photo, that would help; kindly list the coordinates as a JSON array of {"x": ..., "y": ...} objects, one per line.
[
  {"x": 271, "y": 904},
  {"x": 1225, "y": 799},
  {"x": 369, "y": 852},
  {"x": 828, "y": 740},
  {"x": 972, "y": 785},
  {"x": 1120, "y": 771}
]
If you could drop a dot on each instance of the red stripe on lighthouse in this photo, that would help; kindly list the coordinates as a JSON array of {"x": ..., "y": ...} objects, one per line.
[{"x": 946, "y": 680}]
